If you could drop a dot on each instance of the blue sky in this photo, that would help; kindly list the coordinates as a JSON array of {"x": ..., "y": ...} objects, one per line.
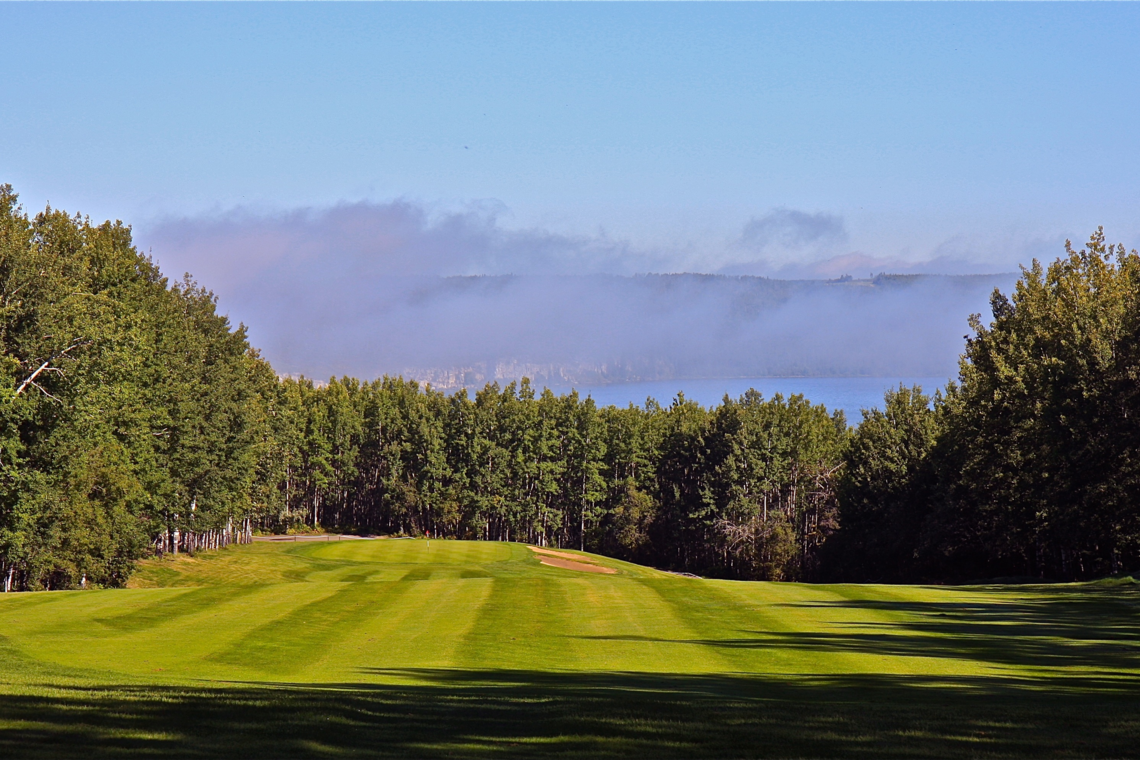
[{"x": 955, "y": 137}]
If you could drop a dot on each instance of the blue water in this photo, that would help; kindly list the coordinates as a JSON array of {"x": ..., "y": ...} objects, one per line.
[{"x": 851, "y": 394}]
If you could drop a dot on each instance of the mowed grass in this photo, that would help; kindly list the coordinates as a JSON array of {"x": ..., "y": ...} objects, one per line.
[{"x": 470, "y": 649}]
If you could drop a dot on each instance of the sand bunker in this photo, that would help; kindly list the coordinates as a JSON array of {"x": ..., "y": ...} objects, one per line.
[
  {"x": 568, "y": 561},
  {"x": 567, "y": 564},
  {"x": 563, "y": 555}
]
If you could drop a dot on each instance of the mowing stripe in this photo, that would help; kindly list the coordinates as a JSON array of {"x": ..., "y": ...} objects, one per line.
[
  {"x": 522, "y": 622},
  {"x": 423, "y": 628},
  {"x": 290, "y": 643},
  {"x": 165, "y": 609}
]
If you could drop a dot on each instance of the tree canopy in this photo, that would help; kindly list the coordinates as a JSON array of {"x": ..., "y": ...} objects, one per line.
[
  {"x": 1029, "y": 465},
  {"x": 130, "y": 408}
]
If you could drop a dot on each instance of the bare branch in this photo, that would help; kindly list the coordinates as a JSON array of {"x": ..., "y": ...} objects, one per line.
[
  {"x": 75, "y": 344},
  {"x": 46, "y": 366},
  {"x": 31, "y": 380},
  {"x": 41, "y": 390}
]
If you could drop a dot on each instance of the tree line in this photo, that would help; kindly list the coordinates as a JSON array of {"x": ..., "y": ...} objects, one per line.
[
  {"x": 136, "y": 419},
  {"x": 1029, "y": 465},
  {"x": 744, "y": 489},
  {"x": 131, "y": 413}
]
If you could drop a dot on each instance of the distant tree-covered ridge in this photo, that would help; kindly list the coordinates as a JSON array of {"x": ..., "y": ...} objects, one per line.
[{"x": 135, "y": 419}]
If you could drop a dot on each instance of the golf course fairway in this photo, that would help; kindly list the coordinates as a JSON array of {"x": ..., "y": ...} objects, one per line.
[{"x": 475, "y": 649}]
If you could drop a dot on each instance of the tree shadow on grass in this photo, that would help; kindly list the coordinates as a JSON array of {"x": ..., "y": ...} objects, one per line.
[
  {"x": 516, "y": 714},
  {"x": 1081, "y": 699},
  {"x": 1051, "y": 629},
  {"x": 1080, "y": 626}
]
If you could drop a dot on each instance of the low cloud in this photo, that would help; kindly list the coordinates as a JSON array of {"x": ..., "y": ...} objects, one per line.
[
  {"x": 791, "y": 229},
  {"x": 786, "y": 243},
  {"x": 381, "y": 239}
]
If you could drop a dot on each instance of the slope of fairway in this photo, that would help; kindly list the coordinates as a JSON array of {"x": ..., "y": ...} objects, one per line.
[{"x": 468, "y": 620}]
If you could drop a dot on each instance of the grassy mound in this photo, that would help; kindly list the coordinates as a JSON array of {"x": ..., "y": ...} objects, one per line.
[{"x": 408, "y": 647}]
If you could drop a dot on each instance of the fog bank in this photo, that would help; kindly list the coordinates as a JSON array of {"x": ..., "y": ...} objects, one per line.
[
  {"x": 593, "y": 329},
  {"x": 455, "y": 298}
]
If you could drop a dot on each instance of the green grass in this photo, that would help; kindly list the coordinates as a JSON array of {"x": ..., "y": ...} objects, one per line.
[{"x": 410, "y": 648}]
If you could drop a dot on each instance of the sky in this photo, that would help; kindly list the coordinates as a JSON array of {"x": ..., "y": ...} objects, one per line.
[{"x": 437, "y": 139}]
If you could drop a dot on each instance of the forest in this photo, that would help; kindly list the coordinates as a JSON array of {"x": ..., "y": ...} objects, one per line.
[{"x": 135, "y": 419}]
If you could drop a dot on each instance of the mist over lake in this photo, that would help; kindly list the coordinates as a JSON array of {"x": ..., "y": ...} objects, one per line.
[
  {"x": 596, "y": 330},
  {"x": 322, "y": 316}
]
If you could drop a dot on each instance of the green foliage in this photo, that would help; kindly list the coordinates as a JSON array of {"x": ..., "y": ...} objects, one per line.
[
  {"x": 885, "y": 488},
  {"x": 1044, "y": 442},
  {"x": 683, "y": 487},
  {"x": 1030, "y": 465},
  {"x": 129, "y": 408},
  {"x": 133, "y": 415}
]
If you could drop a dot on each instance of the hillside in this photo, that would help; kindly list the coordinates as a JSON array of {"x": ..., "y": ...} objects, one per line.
[{"x": 401, "y": 647}]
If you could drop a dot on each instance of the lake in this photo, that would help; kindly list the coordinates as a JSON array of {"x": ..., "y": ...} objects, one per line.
[{"x": 851, "y": 394}]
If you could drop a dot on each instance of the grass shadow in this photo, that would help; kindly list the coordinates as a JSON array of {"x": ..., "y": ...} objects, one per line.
[
  {"x": 516, "y": 714},
  {"x": 1079, "y": 626},
  {"x": 1050, "y": 629}
]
